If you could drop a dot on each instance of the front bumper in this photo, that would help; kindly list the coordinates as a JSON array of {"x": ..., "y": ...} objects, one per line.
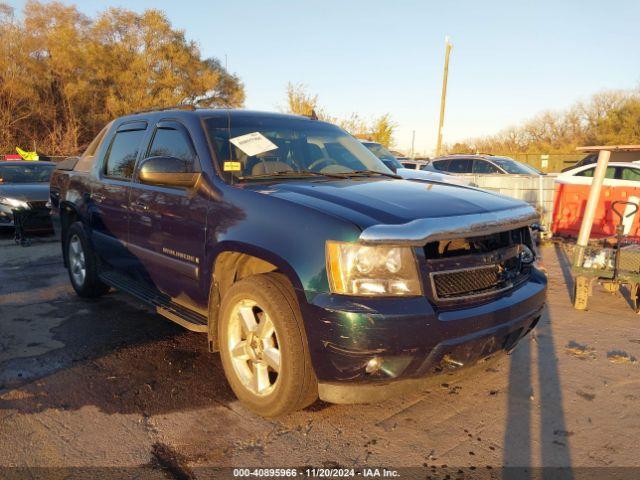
[
  {"x": 410, "y": 337},
  {"x": 32, "y": 220}
]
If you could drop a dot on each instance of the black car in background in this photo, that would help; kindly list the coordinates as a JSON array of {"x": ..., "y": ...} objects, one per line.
[{"x": 24, "y": 187}]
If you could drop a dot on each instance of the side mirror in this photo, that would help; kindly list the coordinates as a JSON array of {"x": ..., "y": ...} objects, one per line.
[{"x": 168, "y": 171}]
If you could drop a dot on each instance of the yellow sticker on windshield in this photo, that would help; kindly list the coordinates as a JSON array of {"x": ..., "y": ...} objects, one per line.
[{"x": 232, "y": 166}]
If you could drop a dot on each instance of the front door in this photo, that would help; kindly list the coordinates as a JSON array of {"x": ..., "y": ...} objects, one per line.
[{"x": 168, "y": 224}]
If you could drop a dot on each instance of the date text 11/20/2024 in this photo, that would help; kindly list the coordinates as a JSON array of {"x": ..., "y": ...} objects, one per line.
[{"x": 315, "y": 472}]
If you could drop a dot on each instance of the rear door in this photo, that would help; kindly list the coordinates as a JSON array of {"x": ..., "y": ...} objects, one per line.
[
  {"x": 168, "y": 224},
  {"x": 109, "y": 200}
]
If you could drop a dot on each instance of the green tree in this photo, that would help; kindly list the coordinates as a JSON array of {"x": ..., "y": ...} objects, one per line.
[
  {"x": 382, "y": 130},
  {"x": 621, "y": 125},
  {"x": 64, "y": 75},
  {"x": 607, "y": 117},
  {"x": 300, "y": 102}
]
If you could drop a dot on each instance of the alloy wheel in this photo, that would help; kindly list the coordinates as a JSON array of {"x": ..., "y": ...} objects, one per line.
[
  {"x": 254, "y": 348},
  {"x": 77, "y": 265}
]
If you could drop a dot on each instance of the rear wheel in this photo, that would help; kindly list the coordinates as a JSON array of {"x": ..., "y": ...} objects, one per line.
[
  {"x": 263, "y": 346},
  {"x": 83, "y": 264}
]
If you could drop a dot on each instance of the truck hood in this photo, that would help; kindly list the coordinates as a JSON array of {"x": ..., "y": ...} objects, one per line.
[
  {"x": 33, "y": 192},
  {"x": 374, "y": 201}
]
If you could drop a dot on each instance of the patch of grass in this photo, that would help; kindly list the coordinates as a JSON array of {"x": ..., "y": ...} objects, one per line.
[
  {"x": 618, "y": 356},
  {"x": 583, "y": 352}
]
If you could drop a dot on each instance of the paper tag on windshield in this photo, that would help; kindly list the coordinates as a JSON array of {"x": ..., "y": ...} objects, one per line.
[{"x": 253, "y": 143}]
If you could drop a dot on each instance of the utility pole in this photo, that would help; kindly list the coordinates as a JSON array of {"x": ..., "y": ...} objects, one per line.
[
  {"x": 448, "y": 46},
  {"x": 413, "y": 144}
]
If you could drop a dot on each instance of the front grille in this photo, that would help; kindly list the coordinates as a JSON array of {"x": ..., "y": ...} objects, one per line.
[
  {"x": 469, "y": 282},
  {"x": 38, "y": 204}
]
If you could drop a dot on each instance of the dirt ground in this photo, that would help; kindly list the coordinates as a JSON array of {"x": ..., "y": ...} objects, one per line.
[{"x": 109, "y": 383}]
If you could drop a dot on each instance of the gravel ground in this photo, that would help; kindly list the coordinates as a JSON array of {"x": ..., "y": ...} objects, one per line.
[{"x": 109, "y": 383}]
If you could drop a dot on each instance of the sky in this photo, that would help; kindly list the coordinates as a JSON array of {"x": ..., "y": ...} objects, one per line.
[{"x": 510, "y": 59}]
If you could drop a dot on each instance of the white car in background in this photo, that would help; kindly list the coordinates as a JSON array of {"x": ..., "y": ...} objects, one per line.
[
  {"x": 617, "y": 174},
  {"x": 392, "y": 163}
]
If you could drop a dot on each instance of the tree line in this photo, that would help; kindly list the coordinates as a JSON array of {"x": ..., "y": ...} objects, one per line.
[
  {"x": 64, "y": 75},
  {"x": 380, "y": 129},
  {"x": 607, "y": 118}
]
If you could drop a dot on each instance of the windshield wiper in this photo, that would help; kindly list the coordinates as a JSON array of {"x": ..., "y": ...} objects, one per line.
[
  {"x": 290, "y": 174},
  {"x": 370, "y": 172}
]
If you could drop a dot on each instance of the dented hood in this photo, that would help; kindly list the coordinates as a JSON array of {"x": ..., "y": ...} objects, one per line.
[{"x": 382, "y": 201}]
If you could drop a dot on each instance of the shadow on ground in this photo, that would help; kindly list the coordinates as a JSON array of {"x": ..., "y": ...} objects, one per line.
[
  {"x": 524, "y": 404},
  {"x": 117, "y": 356}
]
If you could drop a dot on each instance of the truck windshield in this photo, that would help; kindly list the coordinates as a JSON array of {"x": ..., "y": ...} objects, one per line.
[
  {"x": 264, "y": 146},
  {"x": 379, "y": 151},
  {"x": 27, "y": 173}
]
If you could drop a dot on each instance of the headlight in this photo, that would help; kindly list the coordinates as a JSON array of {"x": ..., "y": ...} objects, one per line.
[
  {"x": 356, "y": 269},
  {"x": 14, "y": 202}
]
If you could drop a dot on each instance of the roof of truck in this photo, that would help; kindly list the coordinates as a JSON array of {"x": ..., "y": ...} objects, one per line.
[{"x": 215, "y": 112}]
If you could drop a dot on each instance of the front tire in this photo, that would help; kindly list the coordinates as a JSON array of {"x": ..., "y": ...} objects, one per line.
[
  {"x": 264, "y": 347},
  {"x": 83, "y": 263}
]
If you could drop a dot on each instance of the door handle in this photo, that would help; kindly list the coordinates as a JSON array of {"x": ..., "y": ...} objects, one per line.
[{"x": 140, "y": 206}]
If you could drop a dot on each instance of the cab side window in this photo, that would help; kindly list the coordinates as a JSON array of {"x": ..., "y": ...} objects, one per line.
[
  {"x": 586, "y": 173},
  {"x": 441, "y": 165},
  {"x": 122, "y": 154},
  {"x": 628, "y": 173},
  {"x": 169, "y": 142},
  {"x": 610, "y": 173},
  {"x": 482, "y": 166}
]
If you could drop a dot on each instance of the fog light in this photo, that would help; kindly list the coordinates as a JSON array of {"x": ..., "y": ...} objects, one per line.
[
  {"x": 526, "y": 255},
  {"x": 373, "y": 365}
]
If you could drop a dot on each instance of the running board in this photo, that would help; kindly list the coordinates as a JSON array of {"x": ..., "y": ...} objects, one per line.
[{"x": 163, "y": 304}]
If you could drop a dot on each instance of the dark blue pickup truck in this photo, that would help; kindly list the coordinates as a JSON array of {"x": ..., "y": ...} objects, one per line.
[{"x": 310, "y": 266}]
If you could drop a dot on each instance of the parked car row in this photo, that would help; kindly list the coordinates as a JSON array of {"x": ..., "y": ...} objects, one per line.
[{"x": 408, "y": 173}]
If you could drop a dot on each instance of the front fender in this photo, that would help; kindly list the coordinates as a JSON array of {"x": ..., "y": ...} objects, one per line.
[{"x": 290, "y": 236}]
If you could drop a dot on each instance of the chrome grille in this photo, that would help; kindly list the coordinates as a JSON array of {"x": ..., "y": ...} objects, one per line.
[{"x": 38, "y": 204}]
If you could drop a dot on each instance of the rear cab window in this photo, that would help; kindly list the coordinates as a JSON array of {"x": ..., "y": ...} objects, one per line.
[{"x": 85, "y": 162}]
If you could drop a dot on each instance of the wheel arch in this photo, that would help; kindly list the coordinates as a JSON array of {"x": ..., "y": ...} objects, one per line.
[
  {"x": 68, "y": 215},
  {"x": 232, "y": 261}
]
